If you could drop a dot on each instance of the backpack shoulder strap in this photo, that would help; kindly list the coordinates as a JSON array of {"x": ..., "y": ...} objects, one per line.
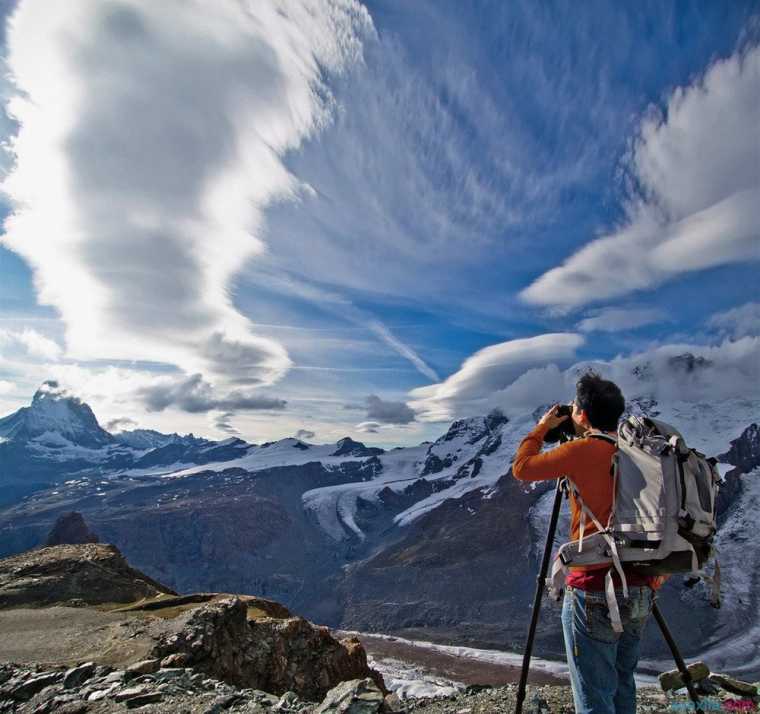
[{"x": 594, "y": 434}]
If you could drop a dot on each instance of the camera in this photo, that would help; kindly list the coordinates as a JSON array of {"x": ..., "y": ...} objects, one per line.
[{"x": 564, "y": 431}]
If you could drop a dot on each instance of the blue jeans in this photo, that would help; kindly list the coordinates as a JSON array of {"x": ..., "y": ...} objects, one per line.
[{"x": 602, "y": 661}]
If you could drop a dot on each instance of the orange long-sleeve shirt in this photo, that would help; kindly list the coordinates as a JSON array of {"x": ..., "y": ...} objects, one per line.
[{"x": 588, "y": 463}]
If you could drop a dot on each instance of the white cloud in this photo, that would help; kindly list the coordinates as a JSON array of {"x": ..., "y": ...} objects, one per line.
[
  {"x": 471, "y": 389},
  {"x": 618, "y": 319},
  {"x": 151, "y": 138},
  {"x": 697, "y": 202},
  {"x": 120, "y": 424},
  {"x": 690, "y": 373},
  {"x": 738, "y": 321},
  {"x": 195, "y": 395},
  {"x": 223, "y": 422},
  {"x": 34, "y": 343},
  {"x": 387, "y": 412},
  {"x": 6, "y": 387},
  {"x": 369, "y": 427}
]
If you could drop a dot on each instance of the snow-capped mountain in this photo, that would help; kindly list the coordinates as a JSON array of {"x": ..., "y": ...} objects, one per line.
[
  {"x": 55, "y": 418},
  {"x": 150, "y": 439}
]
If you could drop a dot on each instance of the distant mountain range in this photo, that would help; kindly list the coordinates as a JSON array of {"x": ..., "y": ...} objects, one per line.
[{"x": 435, "y": 541}]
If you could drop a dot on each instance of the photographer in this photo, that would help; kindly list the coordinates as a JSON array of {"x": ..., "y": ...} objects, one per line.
[{"x": 601, "y": 661}]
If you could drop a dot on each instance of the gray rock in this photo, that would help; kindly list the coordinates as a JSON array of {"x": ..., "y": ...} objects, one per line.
[
  {"x": 167, "y": 675},
  {"x": 735, "y": 686},
  {"x": 143, "y": 699},
  {"x": 130, "y": 693},
  {"x": 115, "y": 676},
  {"x": 76, "y": 676},
  {"x": 180, "y": 659},
  {"x": 99, "y": 694},
  {"x": 27, "y": 689},
  {"x": 288, "y": 702},
  {"x": 147, "y": 666},
  {"x": 356, "y": 696},
  {"x": 69, "y": 707},
  {"x": 265, "y": 698},
  {"x": 393, "y": 705},
  {"x": 673, "y": 680},
  {"x": 221, "y": 703}
]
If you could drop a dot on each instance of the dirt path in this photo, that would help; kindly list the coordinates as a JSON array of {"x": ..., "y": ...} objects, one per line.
[{"x": 67, "y": 635}]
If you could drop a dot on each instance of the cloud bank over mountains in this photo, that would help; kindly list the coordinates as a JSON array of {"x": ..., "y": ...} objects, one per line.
[
  {"x": 694, "y": 203},
  {"x": 519, "y": 375}
]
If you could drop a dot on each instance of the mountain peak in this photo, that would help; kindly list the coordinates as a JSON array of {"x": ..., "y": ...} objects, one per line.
[
  {"x": 56, "y": 414},
  {"x": 348, "y": 447}
]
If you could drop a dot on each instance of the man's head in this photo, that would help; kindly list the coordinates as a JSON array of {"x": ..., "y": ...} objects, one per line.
[{"x": 598, "y": 404}]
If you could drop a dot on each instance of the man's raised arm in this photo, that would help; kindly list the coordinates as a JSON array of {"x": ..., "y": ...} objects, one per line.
[{"x": 531, "y": 465}]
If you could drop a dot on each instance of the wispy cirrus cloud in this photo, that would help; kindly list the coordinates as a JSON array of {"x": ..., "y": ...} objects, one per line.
[
  {"x": 151, "y": 136},
  {"x": 694, "y": 172}
]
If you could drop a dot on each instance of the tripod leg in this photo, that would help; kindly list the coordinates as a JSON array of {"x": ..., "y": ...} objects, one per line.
[
  {"x": 677, "y": 657},
  {"x": 537, "y": 597}
]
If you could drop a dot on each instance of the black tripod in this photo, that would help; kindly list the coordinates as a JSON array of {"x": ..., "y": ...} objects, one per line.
[{"x": 540, "y": 584}]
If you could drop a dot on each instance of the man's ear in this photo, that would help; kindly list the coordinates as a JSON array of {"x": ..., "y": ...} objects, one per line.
[{"x": 583, "y": 419}]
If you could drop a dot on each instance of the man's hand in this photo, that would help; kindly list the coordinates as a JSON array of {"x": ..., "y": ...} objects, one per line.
[{"x": 551, "y": 419}]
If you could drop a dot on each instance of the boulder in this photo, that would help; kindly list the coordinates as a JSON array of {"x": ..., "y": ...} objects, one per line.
[
  {"x": 77, "y": 675},
  {"x": 357, "y": 696},
  {"x": 274, "y": 655},
  {"x": 735, "y": 686},
  {"x": 146, "y": 666},
  {"x": 674, "y": 680}
]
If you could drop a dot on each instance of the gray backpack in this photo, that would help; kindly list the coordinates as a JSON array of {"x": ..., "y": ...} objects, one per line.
[{"x": 663, "y": 516}]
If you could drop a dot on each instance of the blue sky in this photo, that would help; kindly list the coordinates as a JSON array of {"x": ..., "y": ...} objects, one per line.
[{"x": 368, "y": 219}]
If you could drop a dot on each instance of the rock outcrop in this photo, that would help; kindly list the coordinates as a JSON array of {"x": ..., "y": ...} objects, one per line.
[
  {"x": 89, "y": 574},
  {"x": 70, "y": 528},
  {"x": 745, "y": 450},
  {"x": 275, "y": 655}
]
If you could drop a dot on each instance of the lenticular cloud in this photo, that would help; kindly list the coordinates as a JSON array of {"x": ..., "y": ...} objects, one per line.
[{"x": 150, "y": 140}]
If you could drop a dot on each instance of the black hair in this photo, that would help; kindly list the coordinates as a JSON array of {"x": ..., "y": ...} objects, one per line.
[{"x": 601, "y": 399}]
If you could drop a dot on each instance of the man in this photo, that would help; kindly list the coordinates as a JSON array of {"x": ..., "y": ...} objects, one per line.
[{"x": 601, "y": 661}]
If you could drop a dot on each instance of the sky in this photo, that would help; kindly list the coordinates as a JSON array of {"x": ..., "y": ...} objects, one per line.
[{"x": 325, "y": 218}]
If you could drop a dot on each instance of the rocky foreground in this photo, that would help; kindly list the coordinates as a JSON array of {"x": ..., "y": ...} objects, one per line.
[
  {"x": 84, "y": 632},
  {"x": 150, "y": 686}
]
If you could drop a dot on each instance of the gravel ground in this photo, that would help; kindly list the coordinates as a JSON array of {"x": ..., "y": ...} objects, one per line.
[{"x": 548, "y": 699}]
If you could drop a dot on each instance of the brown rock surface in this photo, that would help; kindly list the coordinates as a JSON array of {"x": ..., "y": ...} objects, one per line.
[
  {"x": 275, "y": 655},
  {"x": 91, "y": 573}
]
